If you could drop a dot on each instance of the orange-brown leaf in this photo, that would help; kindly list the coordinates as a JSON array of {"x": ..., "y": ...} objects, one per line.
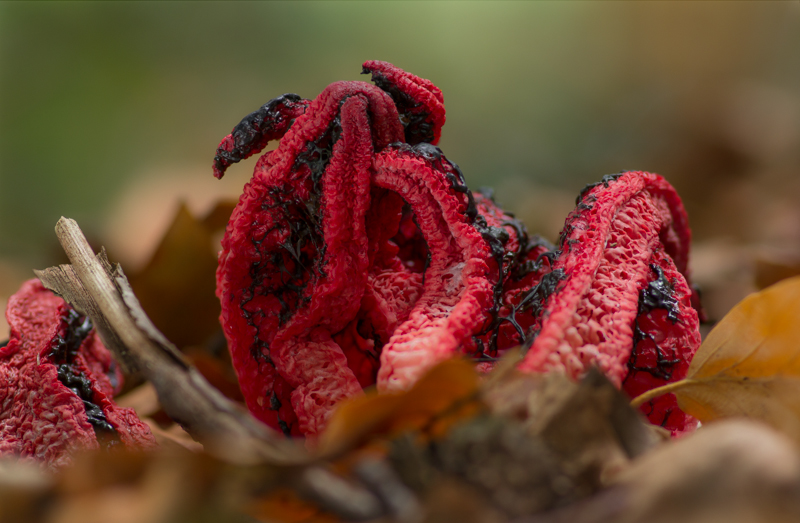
[
  {"x": 445, "y": 395},
  {"x": 749, "y": 365},
  {"x": 176, "y": 287},
  {"x": 285, "y": 506}
]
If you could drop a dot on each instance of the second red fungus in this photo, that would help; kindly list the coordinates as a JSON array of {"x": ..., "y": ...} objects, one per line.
[
  {"x": 58, "y": 381},
  {"x": 619, "y": 297}
]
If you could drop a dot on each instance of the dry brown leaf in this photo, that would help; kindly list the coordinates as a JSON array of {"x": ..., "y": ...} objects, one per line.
[
  {"x": 143, "y": 399},
  {"x": 176, "y": 288},
  {"x": 542, "y": 441},
  {"x": 217, "y": 218},
  {"x": 285, "y": 506},
  {"x": 24, "y": 488},
  {"x": 173, "y": 438},
  {"x": 217, "y": 370},
  {"x": 452, "y": 501},
  {"x": 735, "y": 471},
  {"x": 749, "y": 365},
  {"x": 770, "y": 268},
  {"x": 446, "y": 394},
  {"x": 166, "y": 485}
]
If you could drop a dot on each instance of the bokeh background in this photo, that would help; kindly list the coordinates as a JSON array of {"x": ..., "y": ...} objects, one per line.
[{"x": 110, "y": 112}]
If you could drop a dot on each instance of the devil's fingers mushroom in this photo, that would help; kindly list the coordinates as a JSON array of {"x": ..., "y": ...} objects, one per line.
[
  {"x": 311, "y": 283},
  {"x": 620, "y": 297},
  {"x": 358, "y": 256},
  {"x": 57, "y": 381}
]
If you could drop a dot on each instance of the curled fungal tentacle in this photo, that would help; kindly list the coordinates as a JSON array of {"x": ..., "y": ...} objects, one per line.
[
  {"x": 257, "y": 129},
  {"x": 419, "y": 102},
  {"x": 294, "y": 262},
  {"x": 459, "y": 286},
  {"x": 622, "y": 274}
]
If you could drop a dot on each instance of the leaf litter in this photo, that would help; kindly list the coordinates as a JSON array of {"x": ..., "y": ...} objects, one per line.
[{"x": 457, "y": 446}]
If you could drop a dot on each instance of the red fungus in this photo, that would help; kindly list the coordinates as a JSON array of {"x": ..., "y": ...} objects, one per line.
[
  {"x": 459, "y": 287},
  {"x": 257, "y": 129},
  {"x": 295, "y": 257},
  {"x": 618, "y": 295},
  {"x": 309, "y": 277},
  {"x": 358, "y": 256},
  {"x": 58, "y": 383}
]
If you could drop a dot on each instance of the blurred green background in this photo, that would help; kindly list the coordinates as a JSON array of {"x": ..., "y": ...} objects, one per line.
[{"x": 111, "y": 111}]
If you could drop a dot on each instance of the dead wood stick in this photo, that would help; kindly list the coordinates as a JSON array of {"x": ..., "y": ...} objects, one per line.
[{"x": 96, "y": 288}]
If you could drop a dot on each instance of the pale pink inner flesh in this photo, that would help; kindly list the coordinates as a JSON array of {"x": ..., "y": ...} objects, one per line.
[{"x": 456, "y": 290}]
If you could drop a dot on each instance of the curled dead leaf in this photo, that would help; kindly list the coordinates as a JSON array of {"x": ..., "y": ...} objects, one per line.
[
  {"x": 736, "y": 471},
  {"x": 749, "y": 365},
  {"x": 177, "y": 286},
  {"x": 445, "y": 395},
  {"x": 285, "y": 506}
]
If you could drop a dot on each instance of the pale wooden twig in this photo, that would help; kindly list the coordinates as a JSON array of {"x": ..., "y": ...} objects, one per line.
[{"x": 96, "y": 288}]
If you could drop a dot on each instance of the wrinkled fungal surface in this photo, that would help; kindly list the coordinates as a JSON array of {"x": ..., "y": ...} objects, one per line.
[
  {"x": 57, "y": 381},
  {"x": 620, "y": 298},
  {"x": 358, "y": 256}
]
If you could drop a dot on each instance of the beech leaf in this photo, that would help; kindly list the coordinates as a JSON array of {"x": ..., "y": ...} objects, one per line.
[
  {"x": 749, "y": 365},
  {"x": 445, "y": 395},
  {"x": 176, "y": 288}
]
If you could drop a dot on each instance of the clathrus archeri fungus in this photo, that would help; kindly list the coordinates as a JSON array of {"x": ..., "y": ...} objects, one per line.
[
  {"x": 358, "y": 256},
  {"x": 57, "y": 381}
]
